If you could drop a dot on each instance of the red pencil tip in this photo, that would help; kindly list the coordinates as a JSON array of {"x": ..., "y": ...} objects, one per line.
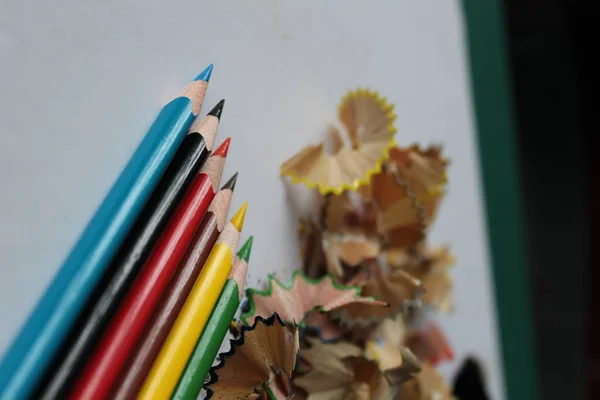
[{"x": 222, "y": 150}]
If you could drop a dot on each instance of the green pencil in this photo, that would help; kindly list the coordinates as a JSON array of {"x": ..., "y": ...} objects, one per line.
[{"x": 191, "y": 381}]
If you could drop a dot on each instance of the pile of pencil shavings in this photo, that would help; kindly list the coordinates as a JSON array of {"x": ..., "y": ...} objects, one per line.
[{"x": 357, "y": 319}]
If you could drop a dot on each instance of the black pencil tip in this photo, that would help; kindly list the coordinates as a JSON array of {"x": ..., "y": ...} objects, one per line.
[
  {"x": 230, "y": 184},
  {"x": 218, "y": 110}
]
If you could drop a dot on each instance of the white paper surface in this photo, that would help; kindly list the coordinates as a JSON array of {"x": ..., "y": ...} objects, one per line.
[{"x": 81, "y": 81}]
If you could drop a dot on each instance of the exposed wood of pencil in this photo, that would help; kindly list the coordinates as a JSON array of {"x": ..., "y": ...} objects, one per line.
[
  {"x": 130, "y": 258},
  {"x": 190, "y": 322},
  {"x": 166, "y": 312},
  {"x": 191, "y": 380},
  {"x": 208, "y": 127},
  {"x": 115, "y": 346}
]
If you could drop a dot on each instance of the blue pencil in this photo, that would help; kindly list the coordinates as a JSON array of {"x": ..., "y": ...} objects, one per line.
[{"x": 40, "y": 337}]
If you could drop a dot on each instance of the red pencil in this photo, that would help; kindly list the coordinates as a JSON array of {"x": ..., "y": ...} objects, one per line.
[{"x": 119, "y": 339}]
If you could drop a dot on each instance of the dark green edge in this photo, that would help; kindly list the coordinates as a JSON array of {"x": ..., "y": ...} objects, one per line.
[
  {"x": 250, "y": 293},
  {"x": 500, "y": 180}
]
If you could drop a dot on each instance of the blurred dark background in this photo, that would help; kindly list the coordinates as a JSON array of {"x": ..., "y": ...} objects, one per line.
[{"x": 557, "y": 171}]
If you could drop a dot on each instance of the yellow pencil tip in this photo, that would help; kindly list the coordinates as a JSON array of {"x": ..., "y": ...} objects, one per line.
[{"x": 238, "y": 218}]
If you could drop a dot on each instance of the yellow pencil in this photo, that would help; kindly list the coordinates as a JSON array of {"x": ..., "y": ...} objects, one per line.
[{"x": 190, "y": 322}]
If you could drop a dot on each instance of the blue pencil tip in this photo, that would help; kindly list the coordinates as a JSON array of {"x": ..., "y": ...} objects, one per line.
[{"x": 205, "y": 75}]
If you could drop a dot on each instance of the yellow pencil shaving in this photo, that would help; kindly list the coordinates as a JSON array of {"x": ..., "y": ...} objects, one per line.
[{"x": 369, "y": 121}]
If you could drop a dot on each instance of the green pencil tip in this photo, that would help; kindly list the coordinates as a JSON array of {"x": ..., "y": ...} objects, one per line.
[
  {"x": 205, "y": 75},
  {"x": 244, "y": 252}
]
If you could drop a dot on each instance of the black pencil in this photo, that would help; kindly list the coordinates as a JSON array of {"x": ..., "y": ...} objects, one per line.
[{"x": 180, "y": 173}]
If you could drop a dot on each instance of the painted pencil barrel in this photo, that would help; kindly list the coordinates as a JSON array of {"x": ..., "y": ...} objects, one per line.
[
  {"x": 48, "y": 324},
  {"x": 112, "y": 351},
  {"x": 192, "y": 379},
  {"x": 118, "y": 277},
  {"x": 189, "y": 325},
  {"x": 149, "y": 345}
]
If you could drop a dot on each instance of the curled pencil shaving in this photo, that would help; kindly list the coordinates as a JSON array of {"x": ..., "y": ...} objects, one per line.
[
  {"x": 369, "y": 231},
  {"x": 427, "y": 385},
  {"x": 302, "y": 295},
  {"x": 263, "y": 352},
  {"x": 279, "y": 388},
  {"x": 386, "y": 342},
  {"x": 429, "y": 344},
  {"x": 424, "y": 170},
  {"x": 348, "y": 212},
  {"x": 431, "y": 266},
  {"x": 323, "y": 326},
  {"x": 397, "y": 288},
  {"x": 340, "y": 371},
  {"x": 368, "y": 121},
  {"x": 437, "y": 280},
  {"x": 401, "y": 219},
  {"x": 408, "y": 258},
  {"x": 350, "y": 249},
  {"x": 406, "y": 194},
  {"x": 324, "y": 252},
  {"x": 311, "y": 248}
]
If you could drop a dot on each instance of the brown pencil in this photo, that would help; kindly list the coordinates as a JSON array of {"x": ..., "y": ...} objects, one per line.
[
  {"x": 166, "y": 312},
  {"x": 191, "y": 380},
  {"x": 194, "y": 314}
]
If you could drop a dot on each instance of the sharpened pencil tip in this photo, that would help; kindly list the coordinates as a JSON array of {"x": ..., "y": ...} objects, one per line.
[
  {"x": 223, "y": 149},
  {"x": 218, "y": 109},
  {"x": 246, "y": 249},
  {"x": 240, "y": 215},
  {"x": 205, "y": 75},
  {"x": 230, "y": 184}
]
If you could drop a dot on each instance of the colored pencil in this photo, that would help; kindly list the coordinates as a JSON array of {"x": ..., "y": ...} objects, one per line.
[
  {"x": 190, "y": 322},
  {"x": 131, "y": 256},
  {"x": 47, "y": 326},
  {"x": 177, "y": 291},
  {"x": 116, "y": 344},
  {"x": 192, "y": 379}
]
